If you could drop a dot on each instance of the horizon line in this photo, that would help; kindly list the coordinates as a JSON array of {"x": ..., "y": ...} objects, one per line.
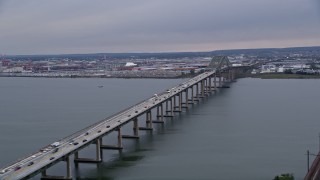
[{"x": 161, "y": 52}]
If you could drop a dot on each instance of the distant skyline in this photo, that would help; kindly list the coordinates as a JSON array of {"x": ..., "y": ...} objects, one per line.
[{"x": 120, "y": 26}]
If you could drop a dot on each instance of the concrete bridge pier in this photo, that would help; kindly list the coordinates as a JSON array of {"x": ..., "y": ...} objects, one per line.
[
  {"x": 69, "y": 169},
  {"x": 202, "y": 89},
  {"x": 187, "y": 98},
  {"x": 135, "y": 130},
  {"x": 159, "y": 114},
  {"x": 148, "y": 122},
  {"x": 191, "y": 101},
  {"x": 174, "y": 103},
  {"x": 113, "y": 147},
  {"x": 167, "y": 105},
  {"x": 197, "y": 93},
  {"x": 44, "y": 175},
  {"x": 88, "y": 160},
  {"x": 179, "y": 103},
  {"x": 135, "y": 127},
  {"x": 210, "y": 85},
  {"x": 167, "y": 108},
  {"x": 206, "y": 87},
  {"x": 172, "y": 106}
]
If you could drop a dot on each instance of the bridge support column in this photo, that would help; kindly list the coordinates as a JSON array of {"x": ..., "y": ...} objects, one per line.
[
  {"x": 148, "y": 122},
  {"x": 179, "y": 103},
  {"x": 201, "y": 93},
  {"x": 69, "y": 169},
  {"x": 113, "y": 147},
  {"x": 135, "y": 127},
  {"x": 135, "y": 130},
  {"x": 215, "y": 82},
  {"x": 98, "y": 150},
  {"x": 44, "y": 175},
  {"x": 149, "y": 119},
  {"x": 187, "y": 98},
  {"x": 167, "y": 108},
  {"x": 192, "y": 94},
  {"x": 186, "y": 102},
  {"x": 159, "y": 114},
  {"x": 88, "y": 160},
  {"x": 172, "y": 106},
  {"x": 210, "y": 84},
  {"x": 119, "y": 139},
  {"x": 206, "y": 87},
  {"x": 202, "y": 88},
  {"x": 197, "y": 93},
  {"x": 76, "y": 155},
  {"x": 167, "y": 105}
]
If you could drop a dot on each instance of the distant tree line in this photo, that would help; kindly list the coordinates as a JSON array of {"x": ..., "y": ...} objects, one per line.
[{"x": 284, "y": 177}]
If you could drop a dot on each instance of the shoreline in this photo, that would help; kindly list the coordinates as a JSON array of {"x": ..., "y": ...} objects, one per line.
[
  {"x": 100, "y": 77},
  {"x": 283, "y": 76},
  {"x": 260, "y": 76}
]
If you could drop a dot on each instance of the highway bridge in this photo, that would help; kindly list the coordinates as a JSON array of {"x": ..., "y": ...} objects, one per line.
[{"x": 165, "y": 104}]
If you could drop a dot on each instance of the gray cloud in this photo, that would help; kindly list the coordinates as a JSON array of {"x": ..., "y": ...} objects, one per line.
[
  {"x": 59, "y": 26},
  {"x": 317, "y": 6},
  {"x": 1, "y": 5}
]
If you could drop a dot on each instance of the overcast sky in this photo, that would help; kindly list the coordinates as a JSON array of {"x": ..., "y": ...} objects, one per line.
[{"x": 91, "y": 26}]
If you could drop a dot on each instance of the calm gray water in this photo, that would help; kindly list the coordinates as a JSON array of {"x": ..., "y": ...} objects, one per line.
[{"x": 257, "y": 129}]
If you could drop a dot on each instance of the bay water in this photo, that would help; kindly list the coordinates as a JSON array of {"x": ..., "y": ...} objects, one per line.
[{"x": 256, "y": 129}]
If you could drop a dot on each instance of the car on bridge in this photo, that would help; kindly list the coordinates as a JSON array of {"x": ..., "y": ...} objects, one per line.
[
  {"x": 55, "y": 150},
  {"x": 4, "y": 171},
  {"x": 55, "y": 144}
]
